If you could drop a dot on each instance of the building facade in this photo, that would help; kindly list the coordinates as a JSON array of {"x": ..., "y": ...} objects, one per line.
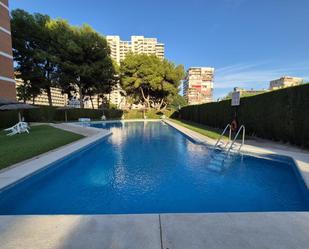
[
  {"x": 58, "y": 99},
  {"x": 198, "y": 85},
  {"x": 137, "y": 44},
  {"x": 285, "y": 81},
  {"x": 7, "y": 82},
  {"x": 119, "y": 50}
]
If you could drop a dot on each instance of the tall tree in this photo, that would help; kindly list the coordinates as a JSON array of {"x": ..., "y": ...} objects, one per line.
[
  {"x": 85, "y": 65},
  {"x": 32, "y": 50},
  {"x": 177, "y": 101},
  {"x": 150, "y": 80},
  {"x": 28, "y": 91}
]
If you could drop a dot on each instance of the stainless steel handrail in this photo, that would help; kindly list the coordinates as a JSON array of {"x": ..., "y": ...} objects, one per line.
[
  {"x": 219, "y": 139},
  {"x": 243, "y": 138}
]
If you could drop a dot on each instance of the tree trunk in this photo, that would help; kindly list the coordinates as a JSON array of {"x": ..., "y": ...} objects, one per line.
[
  {"x": 81, "y": 98},
  {"x": 50, "y": 101},
  {"x": 160, "y": 105},
  {"x": 98, "y": 101},
  {"x": 91, "y": 102},
  {"x": 48, "y": 90},
  {"x": 145, "y": 99}
]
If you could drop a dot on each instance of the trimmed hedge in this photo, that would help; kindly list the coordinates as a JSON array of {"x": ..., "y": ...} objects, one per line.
[
  {"x": 52, "y": 114},
  {"x": 281, "y": 115},
  {"x": 150, "y": 114}
]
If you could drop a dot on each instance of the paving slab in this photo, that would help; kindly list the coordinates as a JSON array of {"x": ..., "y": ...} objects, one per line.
[
  {"x": 80, "y": 232},
  {"x": 77, "y": 128},
  {"x": 288, "y": 230}
]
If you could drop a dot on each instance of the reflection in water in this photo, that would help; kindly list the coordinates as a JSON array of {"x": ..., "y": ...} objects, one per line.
[{"x": 147, "y": 167}]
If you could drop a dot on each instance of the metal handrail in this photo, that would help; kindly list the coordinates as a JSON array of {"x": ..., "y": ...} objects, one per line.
[
  {"x": 219, "y": 139},
  {"x": 243, "y": 138}
]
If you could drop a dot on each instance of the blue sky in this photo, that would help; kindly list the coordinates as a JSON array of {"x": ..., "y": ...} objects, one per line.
[{"x": 249, "y": 42}]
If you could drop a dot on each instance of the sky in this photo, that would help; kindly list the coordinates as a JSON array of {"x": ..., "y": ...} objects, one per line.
[{"x": 248, "y": 42}]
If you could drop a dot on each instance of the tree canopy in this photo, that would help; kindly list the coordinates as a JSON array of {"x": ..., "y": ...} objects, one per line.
[
  {"x": 85, "y": 65},
  {"x": 36, "y": 65},
  {"x": 150, "y": 80},
  {"x": 53, "y": 53}
]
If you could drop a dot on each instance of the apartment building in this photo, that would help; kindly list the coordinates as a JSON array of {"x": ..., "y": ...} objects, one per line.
[
  {"x": 58, "y": 98},
  {"x": 198, "y": 85},
  {"x": 119, "y": 50},
  {"x": 7, "y": 82},
  {"x": 285, "y": 81},
  {"x": 137, "y": 44},
  {"x": 245, "y": 92}
]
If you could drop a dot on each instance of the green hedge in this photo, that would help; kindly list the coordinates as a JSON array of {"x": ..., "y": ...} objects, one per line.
[
  {"x": 150, "y": 114},
  {"x": 281, "y": 115},
  {"x": 52, "y": 114}
]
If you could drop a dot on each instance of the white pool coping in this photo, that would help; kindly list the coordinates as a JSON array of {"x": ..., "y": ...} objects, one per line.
[{"x": 300, "y": 157}]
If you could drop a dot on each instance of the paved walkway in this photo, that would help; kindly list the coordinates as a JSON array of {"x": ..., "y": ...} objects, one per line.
[{"x": 166, "y": 231}]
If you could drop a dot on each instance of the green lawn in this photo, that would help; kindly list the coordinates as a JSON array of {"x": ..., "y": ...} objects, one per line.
[
  {"x": 202, "y": 129},
  {"x": 41, "y": 139}
]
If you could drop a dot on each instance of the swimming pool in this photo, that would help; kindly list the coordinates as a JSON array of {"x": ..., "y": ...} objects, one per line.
[{"x": 149, "y": 167}]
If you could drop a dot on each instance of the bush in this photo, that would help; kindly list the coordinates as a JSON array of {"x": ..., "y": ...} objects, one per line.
[
  {"x": 281, "y": 115},
  {"x": 150, "y": 114},
  {"x": 53, "y": 114}
]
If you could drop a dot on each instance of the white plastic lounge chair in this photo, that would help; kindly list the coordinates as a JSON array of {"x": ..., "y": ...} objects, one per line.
[
  {"x": 20, "y": 127},
  {"x": 84, "y": 120}
]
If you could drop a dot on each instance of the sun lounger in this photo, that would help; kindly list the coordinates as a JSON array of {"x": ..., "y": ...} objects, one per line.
[{"x": 20, "y": 127}]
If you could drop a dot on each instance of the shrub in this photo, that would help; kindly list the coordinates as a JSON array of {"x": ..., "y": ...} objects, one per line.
[
  {"x": 53, "y": 114},
  {"x": 150, "y": 114},
  {"x": 281, "y": 115}
]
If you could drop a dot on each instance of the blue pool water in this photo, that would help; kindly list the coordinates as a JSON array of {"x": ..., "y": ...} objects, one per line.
[{"x": 152, "y": 168}]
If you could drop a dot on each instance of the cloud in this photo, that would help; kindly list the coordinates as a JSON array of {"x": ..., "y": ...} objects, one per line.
[{"x": 256, "y": 75}]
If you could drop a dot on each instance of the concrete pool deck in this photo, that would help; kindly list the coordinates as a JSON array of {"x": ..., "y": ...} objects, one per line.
[
  {"x": 288, "y": 230},
  {"x": 254, "y": 230}
]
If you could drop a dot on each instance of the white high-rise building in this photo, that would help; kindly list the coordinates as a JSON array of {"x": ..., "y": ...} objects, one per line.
[
  {"x": 138, "y": 44},
  {"x": 119, "y": 50}
]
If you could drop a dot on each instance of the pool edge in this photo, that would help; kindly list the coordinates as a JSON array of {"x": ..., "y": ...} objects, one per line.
[
  {"x": 301, "y": 166},
  {"x": 22, "y": 170}
]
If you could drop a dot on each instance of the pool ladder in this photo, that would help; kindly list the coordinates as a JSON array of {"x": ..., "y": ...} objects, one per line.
[
  {"x": 231, "y": 144},
  {"x": 218, "y": 160}
]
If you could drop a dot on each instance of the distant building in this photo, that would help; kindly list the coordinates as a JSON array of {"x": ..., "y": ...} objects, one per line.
[
  {"x": 119, "y": 50},
  {"x": 198, "y": 85},
  {"x": 137, "y": 44},
  {"x": 7, "y": 82},
  {"x": 58, "y": 98},
  {"x": 117, "y": 97},
  {"x": 244, "y": 92},
  {"x": 285, "y": 81}
]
